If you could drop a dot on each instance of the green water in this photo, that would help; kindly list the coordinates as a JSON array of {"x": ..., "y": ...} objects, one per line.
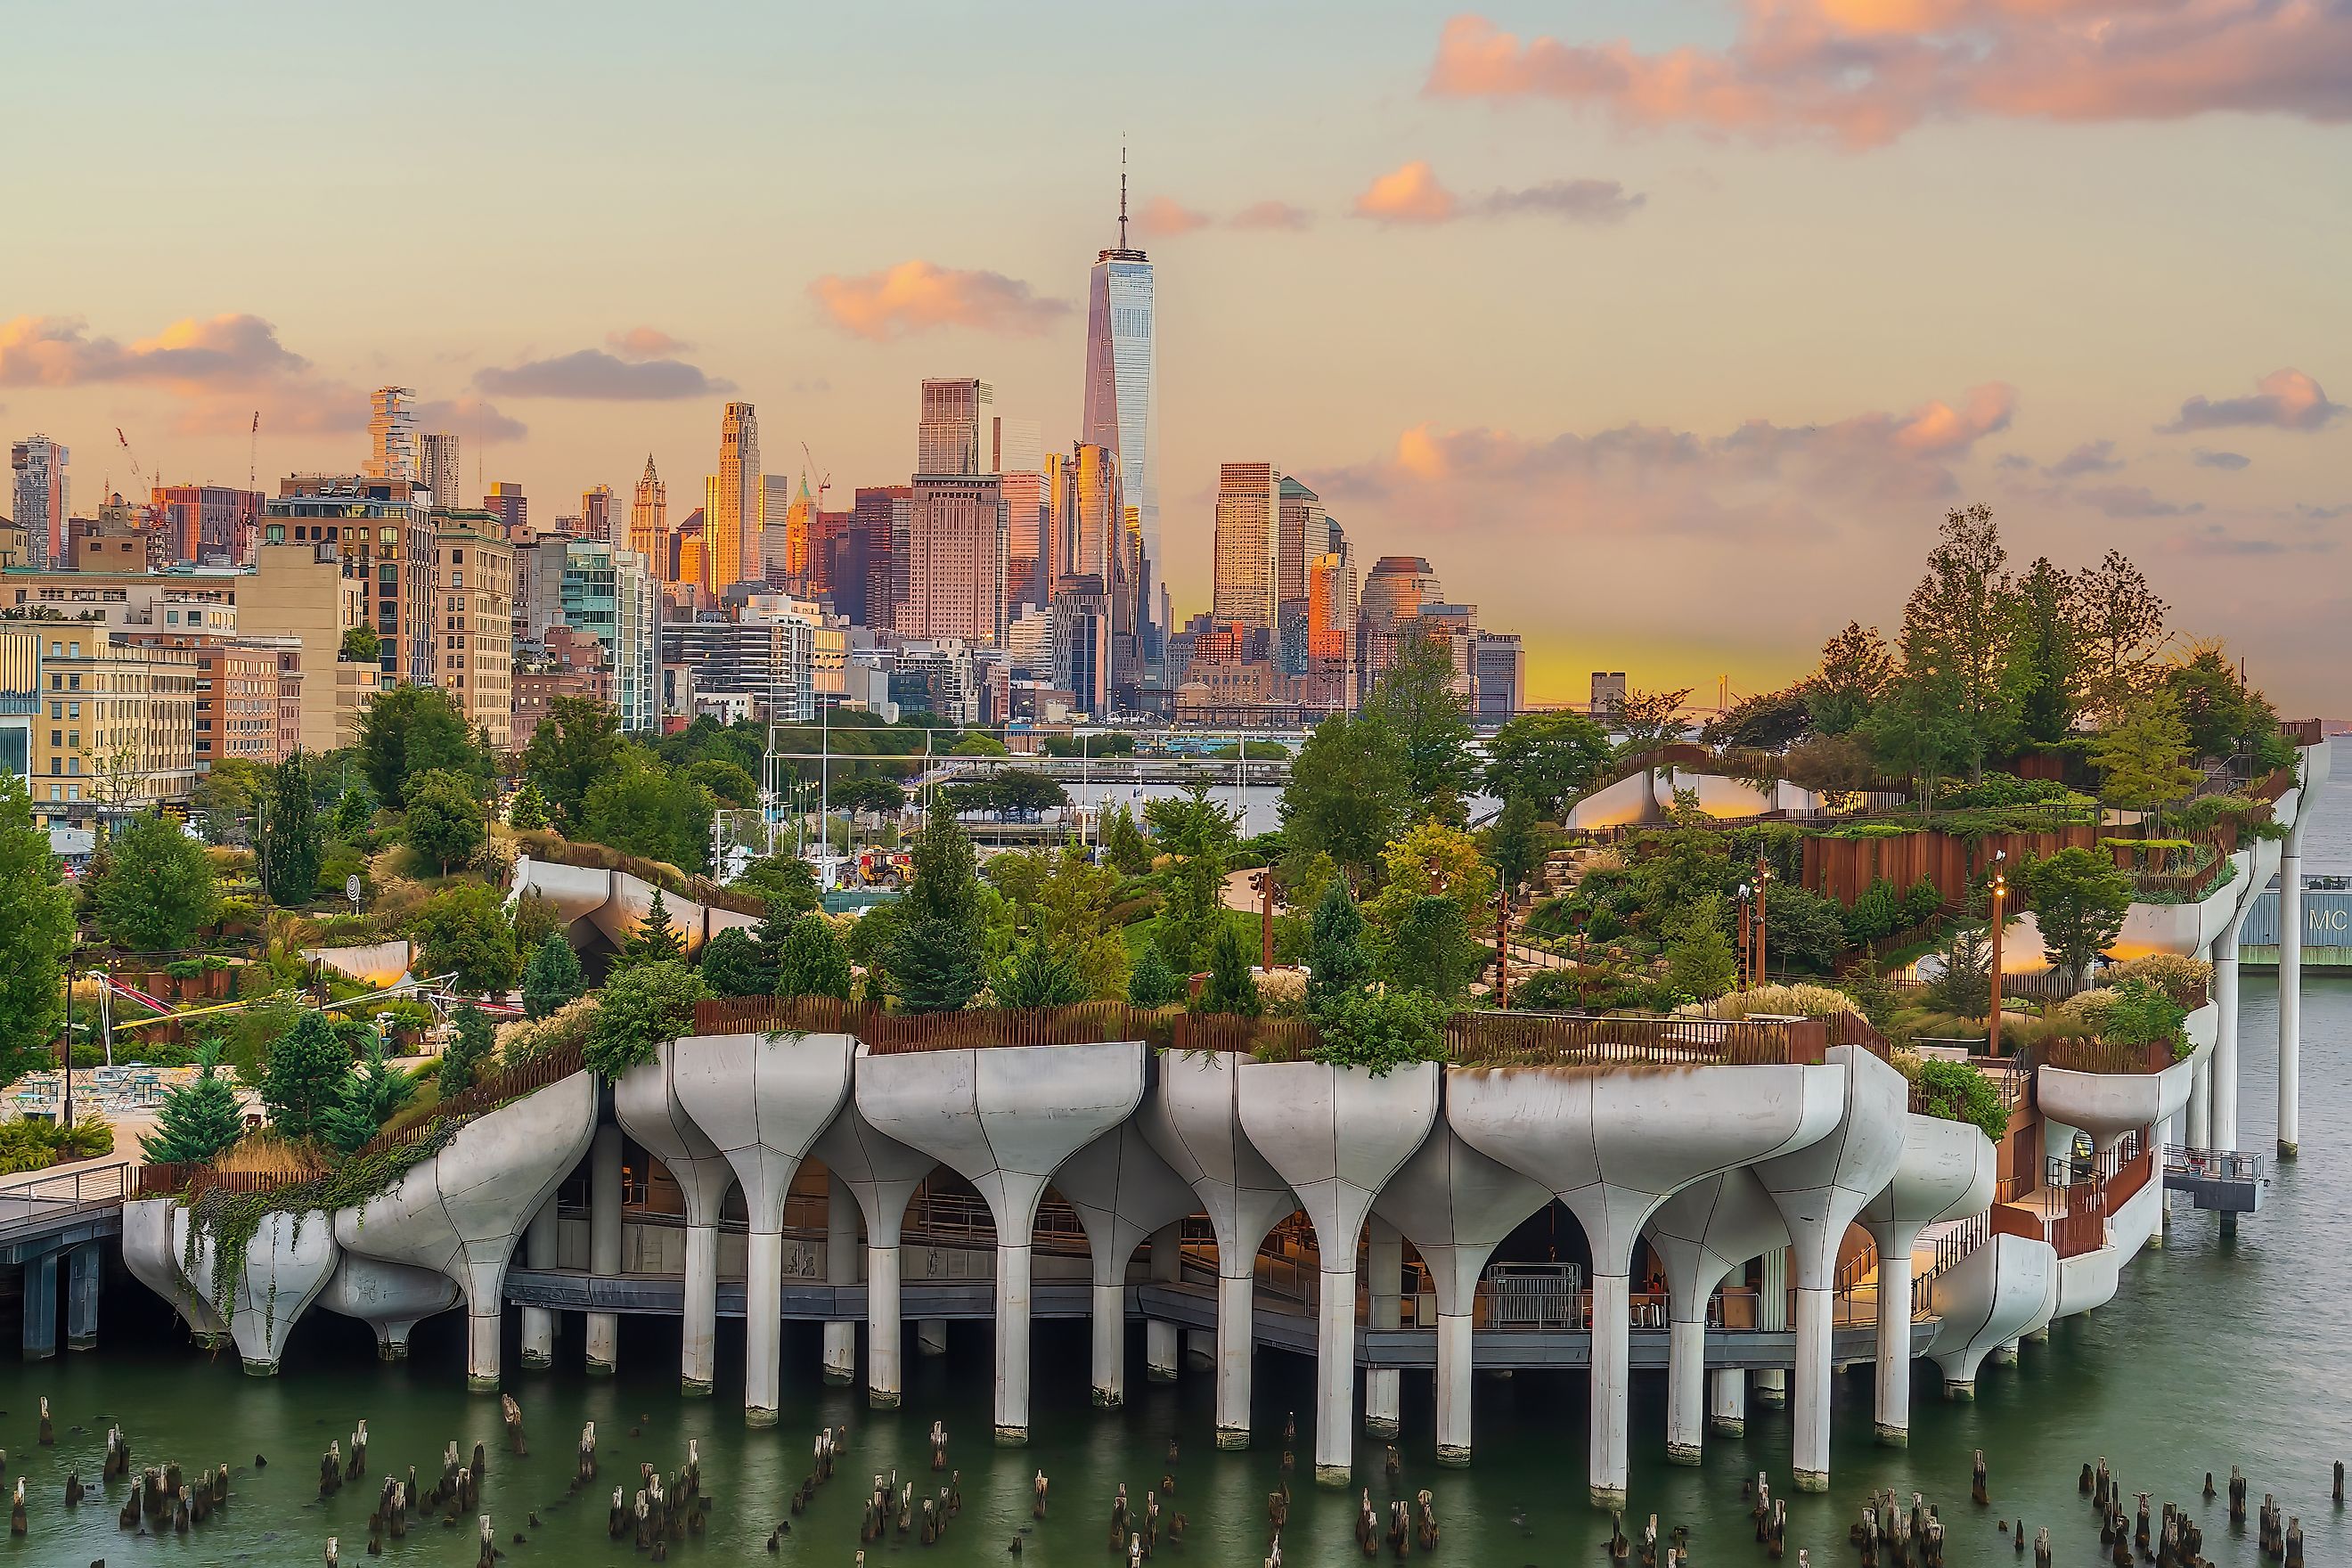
[{"x": 2215, "y": 1353}]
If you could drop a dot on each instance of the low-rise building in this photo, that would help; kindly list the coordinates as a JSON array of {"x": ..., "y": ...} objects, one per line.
[{"x": 118, "y": 730}]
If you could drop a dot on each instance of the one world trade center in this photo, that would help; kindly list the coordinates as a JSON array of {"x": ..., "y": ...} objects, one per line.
[{"x": 1122, "y": 413}]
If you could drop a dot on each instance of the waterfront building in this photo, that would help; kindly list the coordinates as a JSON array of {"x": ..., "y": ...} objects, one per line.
[
  {"x": 391, "y": 436},
  {"x": 1244, "y": 568},
  {"x": 43, "y": 495},
  {"x": 1121, "y": 411},
  {"x": 1608, "y": 691},
  {"x": 767, "y": 662},
  {"x": 1498, "y": 676},
  {"x": 473, "y": 654}
]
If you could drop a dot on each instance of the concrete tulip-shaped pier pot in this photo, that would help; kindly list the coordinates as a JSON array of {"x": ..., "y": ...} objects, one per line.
[
  {"x": 1193, "y": 1118},
  {"x": 1337, "y": 1135},
  {"x": 389, "y": 1297},
  {"x": 1820, "y": 1189},
  {"x": 461, "y": 1212},
  {"x": 760, "y": 1100},
  {"x": 1456, "y": 1206},
  {"x": 1612, "y": 1143},
  {"x": 1123, "y": 1191},
  {"x": 645, "y": 1103},
  {"x": 1947, "y": 1171},
  {"x": 287, "y": 1264},
  {"x": 1004, "y": 1119},
  {"x": 2004, "y": 1289},
  {"x": 1701, "y": 1233},
  {"x": 881, "y": 1174},
  {"x": 154, "y": 1231}
]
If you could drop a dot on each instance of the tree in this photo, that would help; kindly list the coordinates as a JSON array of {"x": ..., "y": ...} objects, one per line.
[
  {"x": 1151, "y": 983},
  {"x": 36, "y": 913},
  {"x": 1123, "y": 844},
  {"x": 934, "y": 966},
  {"x": 733, "y": 965},
  {"x": 1854, "y": 671},
  {"x": 656, "y": 938},
  {"x": 1699, "y": 962},
  {"x": 198, "y": 1119},
  {"x": 1347, "y": 793},
  {"x": 1417, "y": 701},
  {"x": 155, "y": 887},
  {"x": 1335, "y": 959},
  {"x": 369, "y": 1098},
  {"x": 1549, "y": 757},
  {"x": 1072, "y": 913},
  {"x": 786, "y": 884},
  {"x": 304, "y": 1075},
  {"x": 2226, "y": 718},
  {"x": 2120, "y": 623},
  {"x": 469, "y": 1052},
  {"x": 443, "y": 820},
  {"x": 1647, "y": 720},
  {"x": 1917, "y": 731},
  {"x": 409, "y": 731},
  {"x": 527, "y": 813},
  {"x": 354, "y": 812},
  {"x": 1768, "y": 721},
  {"x": 463, "y": 931},
  {"x": 290, "y": 843},
  {"x": 1513, "y": 844},
  {"x": 1804, "y": 931},
  {"x": 946, "y": 884},
  {"x": 1960, "y": 628},
  {"x": 640, "y": 807},
  {"x": 880, "y": 796},
  {"x": 223, "y": 800},
  {"x": 727, "y": 782},
  {"x": 2079, "y": 899},
  {"x": 811, "y": 961},
  {"x": 1430, "y": 949},
  {"x": 553, "y": 978},
  {"x": 975, "y": 744},
  {"x": 639, "y": 1011},
  {"x": 2048, "y": 654},
  {"x": 1230, "y": 987},
  {"x": 1433, "y": 859},
  {"x": 1036, "y": 973},
  {"x": 361, "y": 646},
  {"x": 572, "y": 746},
  {"x": 1021, "y": 792},
  {"x": 2145, "y": 760}
]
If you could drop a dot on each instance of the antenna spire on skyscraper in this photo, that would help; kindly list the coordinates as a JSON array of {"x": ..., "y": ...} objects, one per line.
[{"x": 1122, "y": 195}]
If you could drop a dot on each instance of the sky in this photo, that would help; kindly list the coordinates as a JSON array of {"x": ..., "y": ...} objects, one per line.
[{"x": 1667, "y": 331}]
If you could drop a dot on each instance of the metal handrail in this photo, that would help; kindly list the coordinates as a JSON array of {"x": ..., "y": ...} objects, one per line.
[{"x": 47, "y": 1198}]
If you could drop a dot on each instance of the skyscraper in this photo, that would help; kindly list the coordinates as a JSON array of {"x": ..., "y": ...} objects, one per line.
[
  {"x": 43, "y": 499},
  {"x": 437, "y": 465},
  {"x": 1018, "y": 458},
  {"x": 506, "y": 503},
  {"x": 732, "y": 504},
  {"x": 956, "y": 429},
  {"x": 955, "y": 560},
  {"x": 1243, "y": 570},
  {"x": 1122, "y": 405},
  {"x": 649, "y": 519},
  {"x": 596, "y": 513},
  {"x": 392, "y": 436}
]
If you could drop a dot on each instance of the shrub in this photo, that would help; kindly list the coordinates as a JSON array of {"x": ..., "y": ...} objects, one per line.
[
  {"x": 1282, "y": 993},
  {"x": 2178, "y": 976},
  {"x": 640, "y": 1010},
  {"x": 469, "y": 1053},
  {"x": 1799, "y": 1000},
  {"x": 1381, "y": 1029},
  {"x": 308, "y": 1065},
  {"x": 1963, "y": 982},
  {"x": 1151, "y": 983},
  {"x": 1960, "y": 1091},
  {"x": 526, "y": 1040},
  {"x": 1876, "y": 914},
  {"x": 2142, "y": 1015}
]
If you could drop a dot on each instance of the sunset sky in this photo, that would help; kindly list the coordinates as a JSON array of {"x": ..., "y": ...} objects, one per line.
[{"x": 1666, "y": 331}]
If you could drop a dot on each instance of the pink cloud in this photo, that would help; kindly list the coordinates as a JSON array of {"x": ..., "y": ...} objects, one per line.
[
  {"x": 1164, "y": 217},
  {"x": 1863, "y": 72},
  {"x": 1272, "y": 215},
  {"x": 187, "y": 357},
  {"x": 646, "y": 343},
  {"x": 1413, "y": 195},
  {"x": 920, "y": 296},
  {"x": 1407, "y": 194},
  {"x": 2285, "y": 400}
]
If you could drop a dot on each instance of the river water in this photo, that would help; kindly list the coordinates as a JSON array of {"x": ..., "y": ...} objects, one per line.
[{"x": 2215, "y": 1352}]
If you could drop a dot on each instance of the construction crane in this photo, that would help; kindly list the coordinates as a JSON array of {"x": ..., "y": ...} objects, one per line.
[
  {"x": 149, "y": 508},
  {"x": 823, "y": 484},
  {"x": 253, "y": 454}
]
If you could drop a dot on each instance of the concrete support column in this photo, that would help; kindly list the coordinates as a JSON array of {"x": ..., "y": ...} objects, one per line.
[
  {"x": 604, "y": 1243},
  {"x": 1727, "y": 1401},
  {"x": 2201, "y": 1104},
  {"x": 540, "y": 1251},
  {"x": 1612, "y": 1354},
  {"x": 1159, "y": 1347},
  {"x": 1334, "y": 1364},
  {"x": 2225, "y": 1039},
  {"x": 1773, "y": 1316},
  {"x": 763, "y": 1325},
  {"x": 697, "y": 1353},
  {"x": 885, "y": 1379},
  {"x": 1384, "y": 1387},
  {"x": 81, "y": 1297},
  {"x": 1013, "y": 1261},
  {"x": 41, "y": 1307},
  {"x": 1810, "y": 1450},
  {"x": 840, "y": 1270},
  {"x": 2290, "y": 987},
  {"x": 1454, "y": 1371},
  {"x": 1686, "y": 1385},
  {"x": 1109, "y": 1319},
  {"x": 1236, "y": 1342},
  {"x": 1895, "y": 1244}
]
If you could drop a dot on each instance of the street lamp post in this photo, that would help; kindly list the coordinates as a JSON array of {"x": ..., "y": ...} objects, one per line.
[
  {"x": 1992, "y": 1011},
  {"x": 1747, "y": 935},
  {"x": 1763, "y": 874}
]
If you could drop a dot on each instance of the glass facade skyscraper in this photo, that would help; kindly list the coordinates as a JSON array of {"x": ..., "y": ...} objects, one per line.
[
  {"x": 1122, "y": 411},
  {"x": 611, "y": 594}
]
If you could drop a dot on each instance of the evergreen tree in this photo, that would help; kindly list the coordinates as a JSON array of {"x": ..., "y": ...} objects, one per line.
[
  {"x": 354, "y": 812},
  {"x": 468, "y": 1054},
  {"x": 290, "y": 843},
  {"x": 1231, "y": 988},
  {"x": 947, "y": 882},
  {"x": 1036, "y": 974},
  {"x": 1699, "y": 961},
  {"x": 1153, "y": 984},
  {"x": 37, "y": 915},
  {"x": 553, "y": 978},
  {"x": 442, "y": 818},
  {"x": 369, "y": 1096},
  {"x": 1335, "y": 959},
  {"x": 811, "y": 961},
  {"x": 1432, "y": 949},
  {"x": 1513, "y": 842},
  {"x": 733, "y": 965},
  {"x": 935, "y": 966},
  {"x": 655, "y": 941},
  {"x": 198, "y": 1119},
  {"x": 304, "y": 1077},
  {"x": 1123, "y": 845},
  {"x": 527, "y": 813}
]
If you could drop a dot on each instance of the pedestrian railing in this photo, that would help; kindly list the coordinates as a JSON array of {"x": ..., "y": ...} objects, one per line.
[
  {"x": 40, "y": 1202},
  {"x": 2217, "y": 1164}
]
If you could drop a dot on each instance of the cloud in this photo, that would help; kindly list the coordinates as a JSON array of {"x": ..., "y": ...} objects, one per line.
[
  {"x": 471, "y": 418},
  {"x": 1164, "y": 217},
  {"x": 2215, "y": 539},
  {"x": 2012, "y": 462},
  {"x": 1413, "y": 193},
  {"x": 920, "y": 296},
  {"x": 1637, "y": 479},
  {"x": 2126, "y": 501},
  {"x": 1270, "y": 215},
  {"x": 188, "y": 356},
  {"x": 2284, "y": 400},
  {"x": 594, "y": 374},
  {"x": 1864, "y": 72},
  {"x": 2232, "y": 461},
  {"x": 2090, "y": 458},
  {"x": 646, "y": 343}
]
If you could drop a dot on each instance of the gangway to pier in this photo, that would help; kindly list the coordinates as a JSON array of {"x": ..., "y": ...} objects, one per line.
[{"x": 2222, "y": 1180}]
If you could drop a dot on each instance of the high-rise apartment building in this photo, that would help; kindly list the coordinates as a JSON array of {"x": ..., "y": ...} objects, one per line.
[
  {"x": 1081, "y": 620},
  {"x": 879, "y": 516},
  {"x": 649, "y": 522},
  {"x": 298, "y": 591},
  {"x": 43, "y": 498},
  {"x": 391, "y": 435},
  {"x": 473, "y": 589},
  {"x": 384, "y": 535},
  {"x": 955, "y": 433},
  {"x": 1243, "y": 568},
  {"x": 1122, "y": 407},
  {"x": 437, "y": 465},
  {"x": 1498, "y": 676},
  {"x": 506, "y": 503},
  {"x": 596, "y": 509},
  {"x": 731, "y": 500},
  {"x": 211, "y": 525},
  {"x": 610, "y": 594},
  {"x": 955, "y": 560},
  {"x": 1306, "y": 534},
  {"x": 1017, "y": 455}
]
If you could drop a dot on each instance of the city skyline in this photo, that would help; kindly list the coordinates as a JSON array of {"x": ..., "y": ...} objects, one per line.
[{"x": 1494, "y": 317}]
